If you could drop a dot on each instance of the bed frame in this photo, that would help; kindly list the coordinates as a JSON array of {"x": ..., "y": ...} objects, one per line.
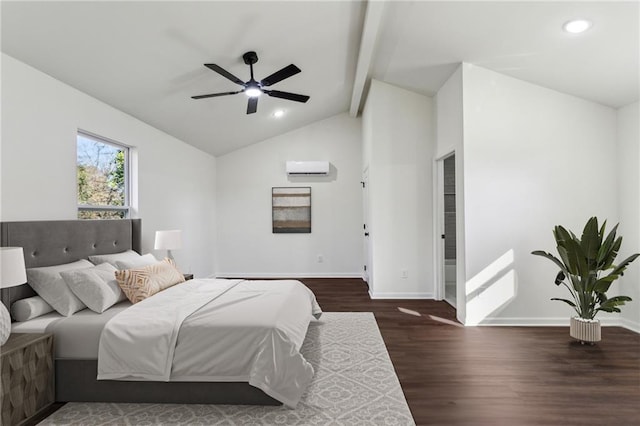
[{"x": 47, "y": 243}]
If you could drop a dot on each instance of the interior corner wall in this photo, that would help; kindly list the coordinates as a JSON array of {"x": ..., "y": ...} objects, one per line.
[
  {"x": 399, "y": 145},
  {"x": 450, "y": 138},
  {"x": 629, "y": 211},
  {"x": 246, "y": 245},
  {"x": 533, "y": 158},
  {"x": 40, "y": 120}
]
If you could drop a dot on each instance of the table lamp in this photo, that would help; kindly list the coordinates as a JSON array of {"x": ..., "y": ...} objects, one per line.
[
  {"x": 12, "y": 273},
  {"x": 168, "y": 240}
]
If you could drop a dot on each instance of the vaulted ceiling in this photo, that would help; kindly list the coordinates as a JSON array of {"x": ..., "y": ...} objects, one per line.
[{"x": 146, "y": 58}]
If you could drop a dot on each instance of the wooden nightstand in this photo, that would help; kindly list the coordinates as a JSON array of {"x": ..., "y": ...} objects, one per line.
[
  {"x": 188, "y": 277},
  {"x": 27, "y": 389}
]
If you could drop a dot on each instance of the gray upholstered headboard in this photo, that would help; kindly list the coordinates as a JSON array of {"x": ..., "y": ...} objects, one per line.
[{"x": 54, "y": 242}]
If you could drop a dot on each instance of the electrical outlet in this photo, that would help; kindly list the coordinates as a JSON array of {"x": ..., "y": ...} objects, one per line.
[
  {"x": 320, "y": 258},
  {"x": 404, "y": 273}
]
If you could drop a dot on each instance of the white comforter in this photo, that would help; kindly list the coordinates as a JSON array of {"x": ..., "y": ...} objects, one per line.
[{"x": 215, "y": 330}]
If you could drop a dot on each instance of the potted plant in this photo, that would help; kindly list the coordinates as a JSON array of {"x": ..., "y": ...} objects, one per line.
[{"x": 584, "y": 263}]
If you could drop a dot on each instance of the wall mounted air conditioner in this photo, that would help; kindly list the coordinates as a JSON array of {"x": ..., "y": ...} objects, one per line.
[{"x": 307, "y": 168}]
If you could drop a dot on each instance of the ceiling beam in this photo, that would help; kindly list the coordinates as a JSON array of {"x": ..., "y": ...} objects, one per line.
[{"x": 371, "y": 27}]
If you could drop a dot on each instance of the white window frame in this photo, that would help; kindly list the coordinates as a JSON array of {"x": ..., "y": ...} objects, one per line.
[{"x": 126, "y": 208}]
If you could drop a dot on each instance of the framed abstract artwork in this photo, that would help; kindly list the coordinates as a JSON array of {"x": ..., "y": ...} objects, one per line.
[{"x": 291, "y": 210}]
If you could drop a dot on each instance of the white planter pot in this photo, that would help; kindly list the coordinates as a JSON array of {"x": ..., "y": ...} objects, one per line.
[{"x": 585, "y": 330}]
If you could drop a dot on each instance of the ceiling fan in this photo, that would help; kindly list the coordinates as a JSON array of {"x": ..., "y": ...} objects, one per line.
[{"x": 252, "y": 88}]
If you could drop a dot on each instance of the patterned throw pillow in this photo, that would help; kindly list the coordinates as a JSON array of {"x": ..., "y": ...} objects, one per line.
[{"x": 138, "y": 284}]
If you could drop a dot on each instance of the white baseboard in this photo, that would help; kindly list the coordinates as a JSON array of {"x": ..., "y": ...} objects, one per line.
[
  {"x": 289, "y": 274},
  {"x": 491, "y": 321},
  {"x": 523, "y": 322},
  {"x": 553, "y": 322},
  {"x": 630, "y": 325},
  {"x": 390, "y": 295}
]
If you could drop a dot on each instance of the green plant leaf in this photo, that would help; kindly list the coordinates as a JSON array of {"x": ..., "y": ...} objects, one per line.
[
  {"x": 568, "y": 302},
  {"x": 623, "y": 265},
  {"x": 575, "y": 251},
  {"x": 566, "y": 260},
  {"x": 590, "y": 241},
  {"x": 611, "y": 305},
  {"x": 604, "y": 253},
  {"x": 603, "y": 284},
  {"x": 550, "y": 257},
  {"x": 561, "y": 235},
  {"x": 603, "y": 227},
  {"x": 590, "y": 281},
  {"x": 613, "y": 252},
  {"x": 576, "y": 283},
  {"x": 571, "y": 251}
]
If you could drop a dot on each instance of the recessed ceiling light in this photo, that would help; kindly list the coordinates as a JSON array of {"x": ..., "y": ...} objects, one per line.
[
  {"x": 278, "y": 113},
  {"x": 577, "y": 26}
]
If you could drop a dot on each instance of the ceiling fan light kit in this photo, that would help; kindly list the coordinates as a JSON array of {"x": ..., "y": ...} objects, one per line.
[
  {"x": 252, "y": 88},
  {"x": 577, "y": 26}
]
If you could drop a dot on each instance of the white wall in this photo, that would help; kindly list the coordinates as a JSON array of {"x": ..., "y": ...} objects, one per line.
[
  {"x": 450, "y": 138},
  {"x": 533, "y": 158},
  {"x": 246, "y": 245},
  {"x": 629, "y": 210},
  {"x": 399, "y": 145},
  {"x": 449, "y": 114},
  {"x": 40, "y": 118}
]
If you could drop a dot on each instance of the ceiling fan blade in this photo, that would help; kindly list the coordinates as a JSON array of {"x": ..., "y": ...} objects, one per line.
[
  {"x": 213, "y": 95},
  {"x": 286, "y": 95},
  {"x": 224, "y": 73},
  {"x": 277, "y": 76},
  {"x": 252, "y": 106}
]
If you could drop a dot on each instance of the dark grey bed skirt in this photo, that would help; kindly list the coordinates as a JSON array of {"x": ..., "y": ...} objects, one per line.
[{"x": 76, "y": 381}]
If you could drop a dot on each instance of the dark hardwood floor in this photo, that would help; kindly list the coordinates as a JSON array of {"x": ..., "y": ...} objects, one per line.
[{"x": 454, "y": 375}]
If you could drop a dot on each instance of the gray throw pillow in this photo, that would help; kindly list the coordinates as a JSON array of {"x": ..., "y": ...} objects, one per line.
[
  {"x": 128, "y": 255},
  {"x": 31, "y": 307},
  {"x": 96, "y": 287},
  {"x": 146, "y": 260}
]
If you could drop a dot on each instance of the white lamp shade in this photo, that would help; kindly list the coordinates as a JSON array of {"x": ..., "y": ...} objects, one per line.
[
  {"x": 12, "y": 267},
  {"x": 168, "y": 240}
]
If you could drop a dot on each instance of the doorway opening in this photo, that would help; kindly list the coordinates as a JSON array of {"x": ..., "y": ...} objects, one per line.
[{"x": 446, "y": 214}]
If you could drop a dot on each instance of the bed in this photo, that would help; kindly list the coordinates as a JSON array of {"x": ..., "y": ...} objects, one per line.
[{"x": 76, "y": 337}]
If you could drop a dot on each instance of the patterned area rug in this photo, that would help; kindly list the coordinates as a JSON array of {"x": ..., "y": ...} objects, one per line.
[{"x": 354, "y": 384}]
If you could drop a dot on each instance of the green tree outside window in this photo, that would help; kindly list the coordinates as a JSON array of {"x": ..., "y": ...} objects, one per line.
[{"x": 102, "y": 179}]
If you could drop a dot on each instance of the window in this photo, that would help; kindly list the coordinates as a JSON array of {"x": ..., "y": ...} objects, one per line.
[{"x": 103, "y": 178}]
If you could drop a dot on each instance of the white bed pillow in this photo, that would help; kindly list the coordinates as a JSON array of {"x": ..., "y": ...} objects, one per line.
[
  {"x": 139, "y": 262},
  {"x": 96, "y": 287},
  {"x": 128, "y": 255},
  {"x": 31, "y": 307},
  {"x": 49, "y": 285}
]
